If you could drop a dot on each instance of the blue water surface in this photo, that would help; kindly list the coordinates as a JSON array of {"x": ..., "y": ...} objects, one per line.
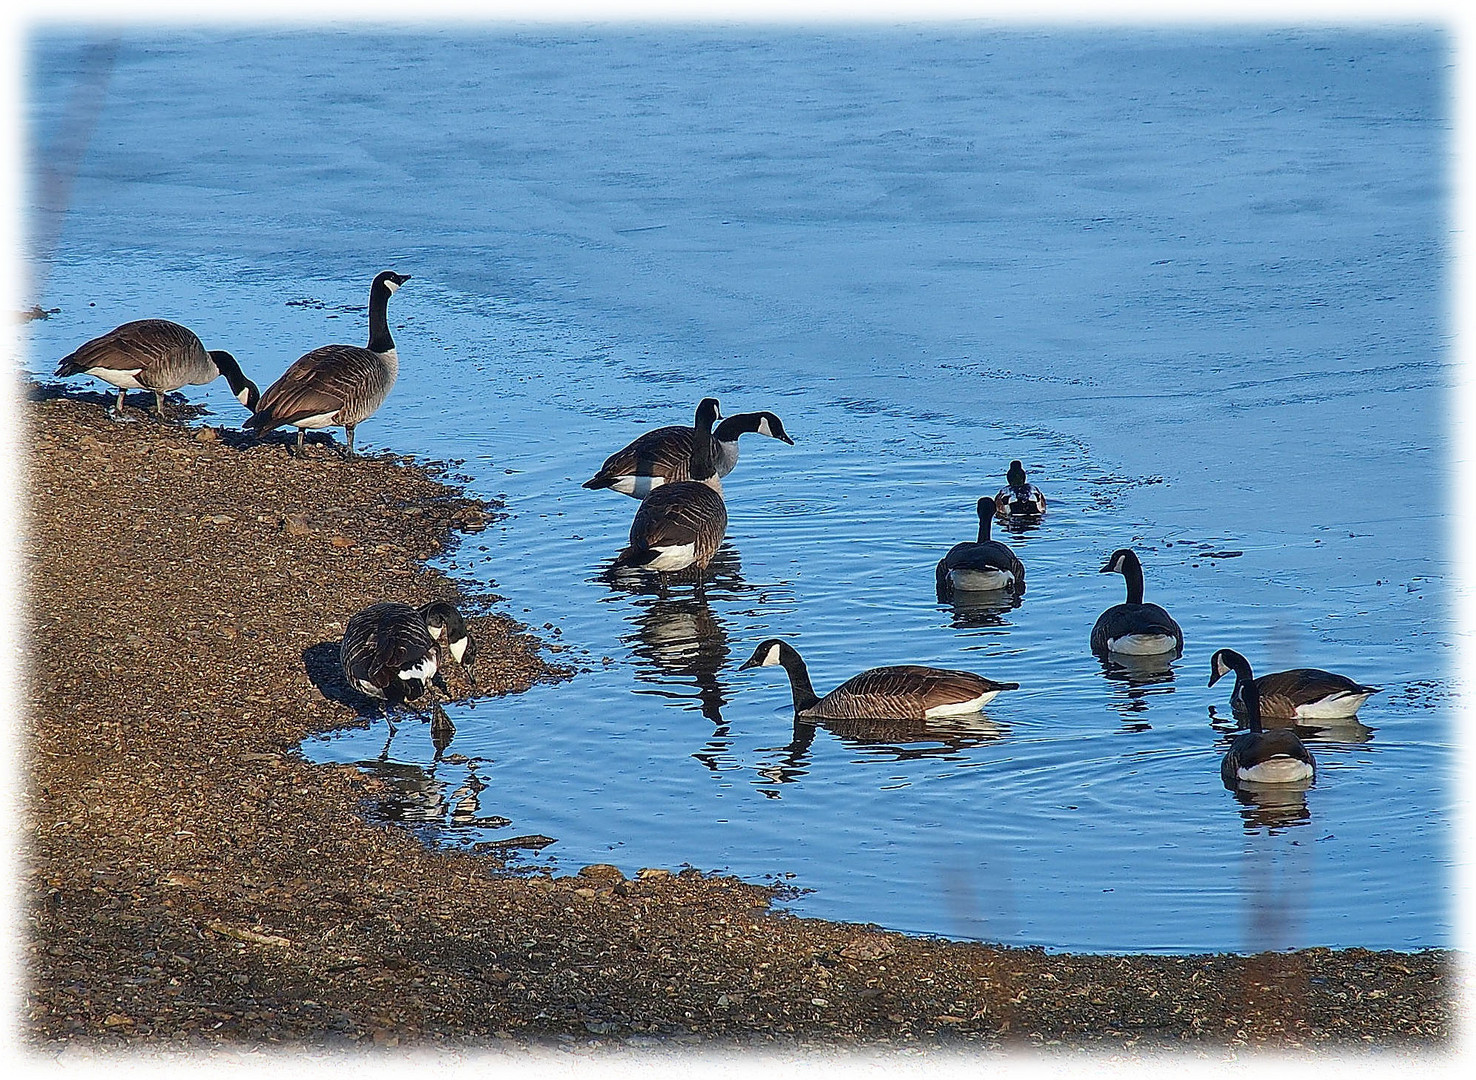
[{"x": 1196, "y": 281}]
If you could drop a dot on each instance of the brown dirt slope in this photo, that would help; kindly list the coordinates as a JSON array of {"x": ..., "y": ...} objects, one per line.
[{"x": 190, "y": 881}]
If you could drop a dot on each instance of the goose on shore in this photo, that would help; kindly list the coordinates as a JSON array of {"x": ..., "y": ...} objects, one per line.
[
  {"x": 1019, "y": 498},
  {"x": 337, "y": 385},
  {"x": 982, "y": 566},
  {"x": 1260, "y": 756},
  {"x": 448, "y": 629},
  {"x": 681, "y": 524},
  {"x": 1306, "y": 694},
  {"x": 662, "y": 456},
  {"x": 906, "y": 692},
  {"x": 388, "y": 652},
  {"x": 1134, "y": 628},
  {"x": 157, "y": 355}
]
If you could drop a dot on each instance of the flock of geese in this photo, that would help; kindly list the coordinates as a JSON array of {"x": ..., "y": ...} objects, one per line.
[{"x": 394, "y": 652}]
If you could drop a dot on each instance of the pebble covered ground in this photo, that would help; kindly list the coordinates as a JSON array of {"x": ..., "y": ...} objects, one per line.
[{"x": 190, "y": 881}]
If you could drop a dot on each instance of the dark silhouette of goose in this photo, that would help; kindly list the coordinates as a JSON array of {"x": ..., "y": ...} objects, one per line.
[
  {"x": 984, "y": 565},
  {"x": 1134, "y": 628}
]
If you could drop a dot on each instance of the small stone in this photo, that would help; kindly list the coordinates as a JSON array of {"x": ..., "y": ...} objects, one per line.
[
  {"x": 221, "y": 519},
  {"x": 588, "y": 894},
  {"x": 296, "y": 525},
  {"x": 868, "y": 948},
  {"x": 341, "y": 541},
  {"x": 602, "y": 872},
  {"x": 646, "y": 873},
  {"x": 206, "y": 434}
]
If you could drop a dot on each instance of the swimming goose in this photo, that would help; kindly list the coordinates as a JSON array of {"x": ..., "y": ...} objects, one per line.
[
  {"x": 681, "y": 524},
  {"x": 157, "y": 355},
  {"x": 337, "y": 385},
  {"x": 1306, "y": 694},
  {"x": 982, "y": 566},
  {"x": 388, "y": 652},
  {"x": 1135, "y": 628},
  {"x": 1019, "y": 498},
  {"x": 661, "y": 456},
  {"x": 448, "y": 629},
  {"x": 906, "y": 692},
  {"x": 1260, "y": 756}
]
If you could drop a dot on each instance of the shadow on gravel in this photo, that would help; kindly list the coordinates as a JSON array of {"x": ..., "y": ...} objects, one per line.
[{"x": 321, "y": 661}]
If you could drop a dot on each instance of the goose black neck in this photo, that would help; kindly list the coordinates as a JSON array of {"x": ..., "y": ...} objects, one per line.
[
  {"x": 703, "y": 463},
  {"x": 226, "y": 364},
  {"x": 799, "y": 678},
  {"x": 985, "y": 521},
  {"x": 380, "y": 340},
  {"x": 1250, "y": 697},
  {"x": 1132, "y": 572},
  {"x": 733, "y": 426}
]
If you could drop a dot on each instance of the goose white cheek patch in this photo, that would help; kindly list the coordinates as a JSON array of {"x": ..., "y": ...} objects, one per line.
[{"x": 772, "y": 657}]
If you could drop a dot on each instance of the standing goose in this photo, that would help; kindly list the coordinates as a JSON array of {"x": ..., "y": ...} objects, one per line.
[
  {"x": 661, "y": 456},
  {"x": 337, "y": 385},
  {"x": 982, "y": 566},
  {"x": 1019, "y": 499},
  {"x": 388, "y": 653},
  {"x": 1306, "y": 694},
  {"x": 907, "y": 692},
  {"x": 681, "y": 524},
  {"x": 1276, "y": 756},
  {"x": 157, "y": 355},
  {"x": 1134, "y": 628}
]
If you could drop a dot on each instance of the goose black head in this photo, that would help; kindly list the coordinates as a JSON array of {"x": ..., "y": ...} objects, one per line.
[
  {"x": 1016, "y": 476},
  {"x": 1226, "y": 661},
  {"x": 768, "y": 654},
  {"x": 773, "y": 427},
  {"x": 708, "y": 414},
  {"x": 1119, "y": 561},
  {"x": 986, "y": 508},
  {"x": 244, "y": 389},
  {"x": 389, "y": 280},
  {"x": 448, "y": 627}
]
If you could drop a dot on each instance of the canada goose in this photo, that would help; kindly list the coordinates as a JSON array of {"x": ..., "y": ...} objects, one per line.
[
  {"x": 982, "y": 566},
  {"x": 1306, "y": 694},
  {"x": 157, "y": 355},
  {"x": 448, "y": 629},
  {"x": 661, "y": 456},
  {"x": 337, "y": 385},
  {"x": 1260, "y": 756},
  {"x": 1134, "y": 628},
  {"x": 1019, "y": 498},
  {"x": 681, "y": 524},
  {"x": 907, "y": 692},
  {"x": 388, "y": 652}
]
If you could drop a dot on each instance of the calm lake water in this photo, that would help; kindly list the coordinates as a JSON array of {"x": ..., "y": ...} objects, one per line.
[{"x": 1197, "y": 282}]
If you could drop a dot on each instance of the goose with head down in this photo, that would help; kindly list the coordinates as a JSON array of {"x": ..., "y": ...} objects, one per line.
[
  {"x": 1259, "y": 756},
  {"x": 904, "y": 692},
  {"x": 157, "y": 355}
]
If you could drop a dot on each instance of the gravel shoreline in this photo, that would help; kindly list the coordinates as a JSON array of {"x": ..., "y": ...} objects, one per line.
[{"x": 189, "y": 881}]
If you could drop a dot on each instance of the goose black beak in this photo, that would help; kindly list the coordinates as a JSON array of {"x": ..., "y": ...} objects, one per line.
[
  {"x": 750, "y": 662},
  {"x": 786, "y": 439}
]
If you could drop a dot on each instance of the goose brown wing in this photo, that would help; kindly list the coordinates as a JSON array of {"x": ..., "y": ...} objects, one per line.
[
  {"x": 142, "y": 344},
  {"x": 664, "y": 452},
  {"x": 322, "y": 381},
  {"x": 381, "y": 640},
  {"x": 676, "y": 514},
  {"x": 902, "y": 692}
]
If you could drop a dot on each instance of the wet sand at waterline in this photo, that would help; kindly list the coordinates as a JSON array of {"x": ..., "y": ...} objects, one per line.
[{"x": 190, "y": 880}]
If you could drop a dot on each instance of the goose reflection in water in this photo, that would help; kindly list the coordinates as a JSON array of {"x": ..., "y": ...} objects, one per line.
[
  {"x": 1139, "y": 678},
  {"x": 414, "y": 795},
  {"x": 1347, "y": 730},
  {"x": 1272, "y": 807},
  {"x": 979, "y": 610},
  {"x": 943, "y": 739}
]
